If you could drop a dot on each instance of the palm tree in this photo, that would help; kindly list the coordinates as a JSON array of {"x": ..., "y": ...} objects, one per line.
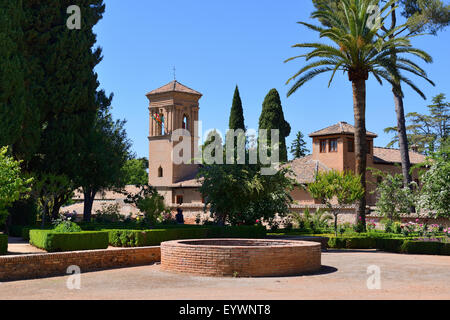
[{"x": 359, "y": 50}]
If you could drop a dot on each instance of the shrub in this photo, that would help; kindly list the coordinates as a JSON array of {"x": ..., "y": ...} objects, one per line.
[
  {"x": 3, "y": 244},
  {"x": 421, "y": 247},
  {"x": 67, "y": 226},
  {"x": 108, "y": 213},
  {"x": 154, "y": 237},
  {"x": 352, "y": 242},
  {"x": 54, "y": 242}
]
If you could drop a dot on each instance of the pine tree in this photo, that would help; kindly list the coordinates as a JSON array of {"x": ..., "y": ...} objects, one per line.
[
  {"x": 272, "y": 117},
  {"x": 237, "y": 114},
  {"x": 298, "y": 147}
]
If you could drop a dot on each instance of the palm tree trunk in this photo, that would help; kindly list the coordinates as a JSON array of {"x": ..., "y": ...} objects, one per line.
[
  {"x": 359, "y": 111},
  {"x": 402, "y": 138}
]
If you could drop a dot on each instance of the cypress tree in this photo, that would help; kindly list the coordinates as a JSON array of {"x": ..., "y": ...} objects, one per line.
[
  {"x": 236, "y": 122},
  {"x": 272, "y": 117},
  {"x": 12, "y": 84},
  {"x": 237, "y": 114},
  {"x": 62, "y": 82}
]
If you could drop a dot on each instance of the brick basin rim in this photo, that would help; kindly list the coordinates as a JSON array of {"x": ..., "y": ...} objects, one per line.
[{"x": 258, "y": 243}]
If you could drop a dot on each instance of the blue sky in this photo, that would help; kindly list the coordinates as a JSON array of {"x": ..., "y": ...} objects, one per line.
[{"x": 215, "y": 45}]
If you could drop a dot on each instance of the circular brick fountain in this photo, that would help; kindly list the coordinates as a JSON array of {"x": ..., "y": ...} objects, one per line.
[{"x": 240, "y": 257}]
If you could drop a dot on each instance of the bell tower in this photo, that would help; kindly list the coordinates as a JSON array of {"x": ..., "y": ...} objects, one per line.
[{"x": 172, "y": 106}]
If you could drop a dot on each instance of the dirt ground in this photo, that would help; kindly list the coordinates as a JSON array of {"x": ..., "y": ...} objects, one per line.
[{"x": 344, "y": 275}]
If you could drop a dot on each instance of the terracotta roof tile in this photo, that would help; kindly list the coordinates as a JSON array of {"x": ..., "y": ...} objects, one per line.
[
  {"x": 174, "y": 86},
  {"x": 339, "y": 128},
  {"x": 305, "y": 169},
  {"x": 388, "y": 155}
]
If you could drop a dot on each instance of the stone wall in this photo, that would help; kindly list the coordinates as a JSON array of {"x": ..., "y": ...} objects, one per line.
[{"x": 55, "y": 264}]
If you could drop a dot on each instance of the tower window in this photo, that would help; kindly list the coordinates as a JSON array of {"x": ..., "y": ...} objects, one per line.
[
  {"x": 160, "y": 172},
  {"x": 185, "y": 124},
  {"x": 333, "y": 145}
]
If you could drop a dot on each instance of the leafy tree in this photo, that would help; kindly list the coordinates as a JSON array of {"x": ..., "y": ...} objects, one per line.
[
  {"x": 135, "y": 171},
  {"x": 51, "y": 192},
  {"x": 393, "y": 198},
  {"x": 358, "y": 50},
  {"x": 428, "y": 132},
  {"x": 298, "y": 147},
  {"x": 272, "y": 117},
  {"x": 343, "y": 187},
  {"x": 13, "y": 185},
  {"x": 148, "y": 201},
  {"x": 435, "y": 192},
  {"x": 106, "y": 151},
  {"x": 240, "y": 194}
]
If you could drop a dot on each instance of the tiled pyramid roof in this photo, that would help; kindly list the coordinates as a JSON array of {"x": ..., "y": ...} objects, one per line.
[
  {"x": 174, "y": 86},
  {"x": 339, "y": 128}
]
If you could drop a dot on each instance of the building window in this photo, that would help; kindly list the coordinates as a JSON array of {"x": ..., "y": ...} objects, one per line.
[
  {"x": 160, "y": 172},
  {"x": 185, "y": 124},
  {"x": 351, "y": 145},
  {"x": 323, "y": 146},
  {"x": 333, "y": 145},
  {"x": 179, "y": 199}
]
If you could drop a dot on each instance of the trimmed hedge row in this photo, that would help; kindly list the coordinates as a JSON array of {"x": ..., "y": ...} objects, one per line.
[
  {"x": 140, "y": 238},
  {"x": 3, "y": 243},
  {"x": 397, "y": 245},
  {"x": 153, "y": 237},
  {"x": 56, "y": 242},
  {"x": 24, "y": 231}
]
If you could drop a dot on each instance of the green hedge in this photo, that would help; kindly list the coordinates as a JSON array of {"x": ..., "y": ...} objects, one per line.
[
  {"x": 398, "y": 245},
  {"x": 55, "y": 242},
  {"x": 139, "y": 238},
  {"x": 3, "y": 243},
  {"x": 24, "y": 231},
  {"x": 153, "y": 237},
  {"x": 236, "y": 232}
]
